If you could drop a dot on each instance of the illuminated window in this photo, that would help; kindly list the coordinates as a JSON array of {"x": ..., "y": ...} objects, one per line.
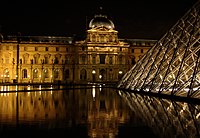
[
  {"x": 46, "y": 73},
  {"x": 35, "y": 73},
  {"x": 6, "y": 73},
  {"x": 102, "y": 74},
  {"x": 56, "y": 73}
]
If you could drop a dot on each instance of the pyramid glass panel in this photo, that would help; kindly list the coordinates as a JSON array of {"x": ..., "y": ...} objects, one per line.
[{"x": 172, "y": 65}]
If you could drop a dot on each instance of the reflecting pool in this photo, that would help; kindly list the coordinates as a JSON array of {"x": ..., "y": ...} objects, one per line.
[{"x": 92, "y": 111}]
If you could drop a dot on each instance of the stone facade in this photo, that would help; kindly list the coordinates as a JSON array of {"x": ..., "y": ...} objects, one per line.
[{"x": 101, "y": 57}]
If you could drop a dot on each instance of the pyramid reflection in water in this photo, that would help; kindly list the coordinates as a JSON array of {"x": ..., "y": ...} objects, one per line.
[
  {"x": 172, "y": 65},
  {"x": 167, "y": 118}
]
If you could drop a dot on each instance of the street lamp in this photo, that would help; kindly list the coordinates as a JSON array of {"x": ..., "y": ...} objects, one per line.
[
  {"x": 93, "y": 74},
  {"x": 120, "y": 74}
]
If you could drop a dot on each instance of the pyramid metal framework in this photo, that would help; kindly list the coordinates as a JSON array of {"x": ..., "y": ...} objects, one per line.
[{"x": 172, "y": 65}]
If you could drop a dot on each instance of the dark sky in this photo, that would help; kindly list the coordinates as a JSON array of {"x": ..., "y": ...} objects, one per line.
[{"x": 146, "y": 19}]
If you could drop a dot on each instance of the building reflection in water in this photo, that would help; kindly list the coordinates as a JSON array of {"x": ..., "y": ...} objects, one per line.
[
  {"x": 100, "y": 110},
  {"x": 167, "y": 118},
  {"x": 97, "y": 112}
]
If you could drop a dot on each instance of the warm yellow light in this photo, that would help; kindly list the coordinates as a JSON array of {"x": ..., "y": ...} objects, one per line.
[{"x": 93, "y": 72}]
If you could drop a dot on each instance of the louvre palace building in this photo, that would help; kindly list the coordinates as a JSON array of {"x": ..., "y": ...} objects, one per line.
[{"x": 100, "y": 57}]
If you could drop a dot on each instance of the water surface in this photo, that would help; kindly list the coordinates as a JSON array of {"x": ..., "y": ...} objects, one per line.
[{"x": 92, "y": 111}]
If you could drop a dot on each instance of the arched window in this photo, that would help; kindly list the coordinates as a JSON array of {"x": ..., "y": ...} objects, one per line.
[
  {"x": 35, "y": 73},
  {"x": 102, "y": 74},
  {"x": 46, "y": 73},
  {"x": 57, "y": 59},
  {"x": 56, "y": 73},
  {"x": 83, "y": 74},
  {"x": 24, "y": 73},
  {"x": 6, "y": 73}
]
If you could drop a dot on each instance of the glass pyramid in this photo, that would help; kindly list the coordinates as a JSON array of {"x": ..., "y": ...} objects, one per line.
[{"x": 172, "y": 65}]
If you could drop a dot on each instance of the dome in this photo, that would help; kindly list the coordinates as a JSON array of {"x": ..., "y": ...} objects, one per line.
[{"x": 101, "y": 20}]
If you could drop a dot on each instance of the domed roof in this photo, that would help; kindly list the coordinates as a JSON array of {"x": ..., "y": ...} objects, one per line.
[{"x": 101, "y": 20}]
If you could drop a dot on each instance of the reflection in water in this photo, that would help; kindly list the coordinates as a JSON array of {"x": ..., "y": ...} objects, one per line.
[
  {"x": 95, "y": 112},
  {"x": 99, "y": 110},
  {"x": 166, "y": 118}
]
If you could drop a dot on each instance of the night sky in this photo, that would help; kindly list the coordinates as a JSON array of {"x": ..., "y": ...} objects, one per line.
[{"x": 137, "y": 19}]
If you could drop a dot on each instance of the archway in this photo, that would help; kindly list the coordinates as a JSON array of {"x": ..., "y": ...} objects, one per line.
[
  {"x": 6, "y": 75},
  {"x": 83, "y": 74},
  {"x": 102, "y": 75}
]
